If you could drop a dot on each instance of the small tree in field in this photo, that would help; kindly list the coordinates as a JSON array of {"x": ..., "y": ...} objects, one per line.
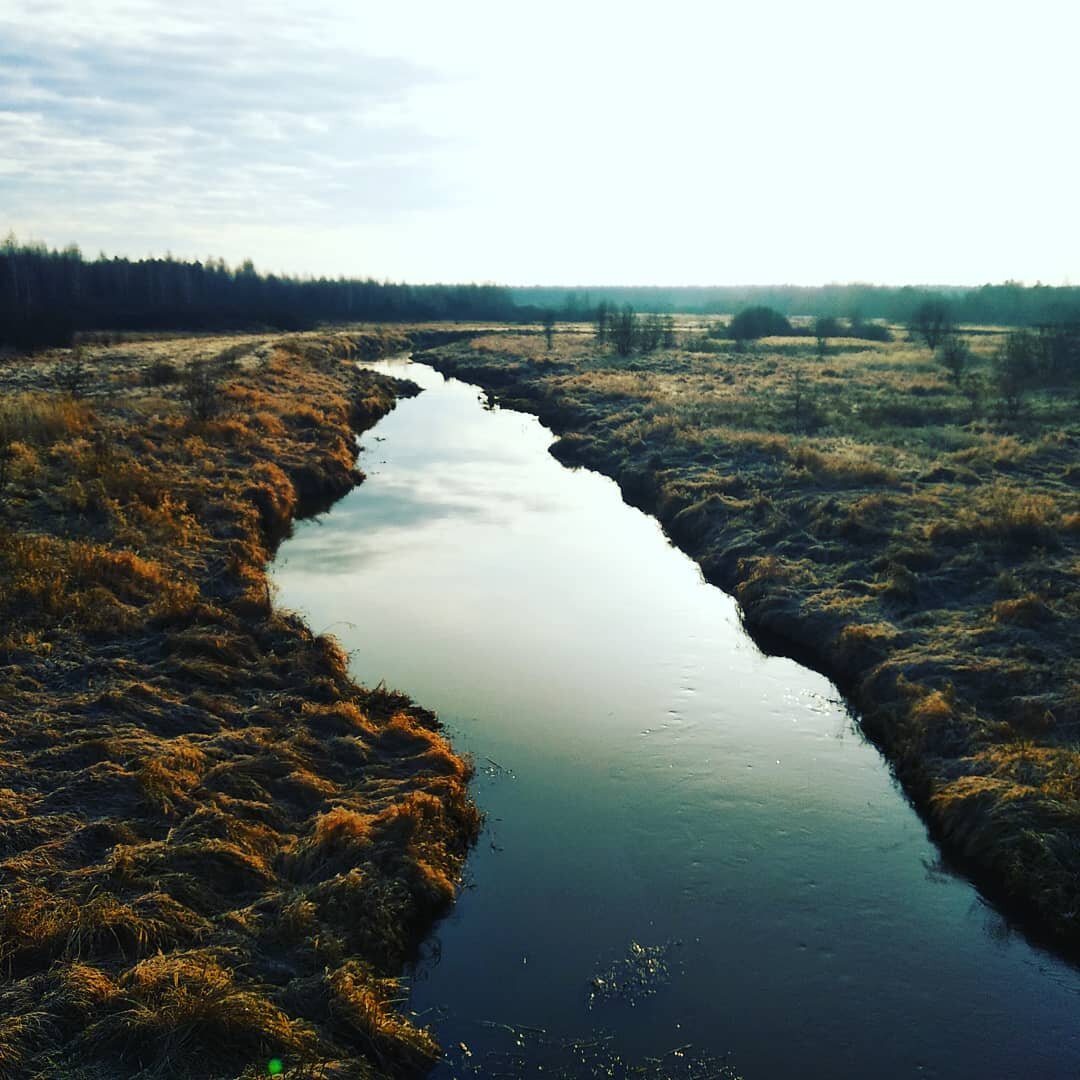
[
  {"x": 825, "y": 327},
  {"x": 651, "y": 333},
  {"x": 549, "y": 328},
  {"x": 1015, "y": 369},
  {"x": 624, "y": 330},
  {"x": 604, "y": 316},
  {"x": 932, "y": 321},
  {"x": 973, "y": 387},
  {"x": 200, "y": 389},
  {"x": 72, "y": 375},
  {"x": 955, "y": 356}
]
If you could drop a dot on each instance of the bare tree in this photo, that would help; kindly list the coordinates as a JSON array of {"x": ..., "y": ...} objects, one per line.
[
  {"x": 549, "y": 328},
  {"x": 624, "y": 330},
  {"x": 932, "y": 321},
  {"x": 72, "y": 374},
  {"x": 651, "y": 333},
  {"x": 604, "y": 320},
  {"x": 200, "y": 389},
  {"x": 955, "y": 355},
  {"x": 1015, "y": 369}
]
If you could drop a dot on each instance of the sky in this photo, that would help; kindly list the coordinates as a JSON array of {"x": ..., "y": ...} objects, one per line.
[{"x": 586, "y": 142}]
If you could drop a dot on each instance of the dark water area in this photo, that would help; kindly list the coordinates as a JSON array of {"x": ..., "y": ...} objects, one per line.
[{"x": 688, "y": 843}]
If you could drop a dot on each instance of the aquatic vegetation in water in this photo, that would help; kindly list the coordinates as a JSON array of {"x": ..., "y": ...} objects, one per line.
[
  {"x": 531, "y": 1051},
  {"x": 636, "y": 976}
]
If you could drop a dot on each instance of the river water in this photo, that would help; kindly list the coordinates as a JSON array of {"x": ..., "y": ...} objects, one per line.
[{"x": 671, "y": 815}]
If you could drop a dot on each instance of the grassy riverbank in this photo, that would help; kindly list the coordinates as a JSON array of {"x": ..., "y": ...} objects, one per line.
[
  {"x": 215, "y": 848},
  {"x": 874, "y": 521}
]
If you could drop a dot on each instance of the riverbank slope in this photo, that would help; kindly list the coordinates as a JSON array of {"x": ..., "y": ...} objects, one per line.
[
  {"x": 215, "y": 848},
  {"x": 880, "y": 525}
]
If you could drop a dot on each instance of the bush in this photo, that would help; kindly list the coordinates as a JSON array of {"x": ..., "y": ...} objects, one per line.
[
  {"x": 954, "y": 355},
  {"x": 932, "y": 321},
  {"x": 1015, "y": 370},
  {"x": 864, "y": 331},
  {"x": 199, "y": 390},
  {"x": 757, "y": 322},
  {"x": 72, "y": 375},
  {"x": 873, "y": 332},
  {"x": 624, "y": 330},
  {"x": 161, "y": 373}
]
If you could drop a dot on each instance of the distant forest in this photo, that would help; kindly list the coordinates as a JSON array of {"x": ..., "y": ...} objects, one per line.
[
  {"x": 1010, "y": 304},
  {"x": 46, "y": 296}
]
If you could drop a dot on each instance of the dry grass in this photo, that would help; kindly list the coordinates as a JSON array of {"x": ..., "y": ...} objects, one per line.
[
  {"x": 899, "y": 532},
  {"x": 40, "y": 418},
  {"x": 214, "y": 847}
]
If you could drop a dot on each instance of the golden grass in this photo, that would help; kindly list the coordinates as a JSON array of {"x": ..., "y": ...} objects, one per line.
[
  {"x": 847, "y": 468},
  {"x": 359, "y": 1004},
  {"x": 41, "y": 418},
  {"x": 171, "y": 1012},
  {"x": 214, "y": 847}
]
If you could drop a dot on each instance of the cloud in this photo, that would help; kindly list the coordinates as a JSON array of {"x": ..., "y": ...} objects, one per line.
[
  {"x": 181, "y": 124},
  {"x": 699, "y": 141}
]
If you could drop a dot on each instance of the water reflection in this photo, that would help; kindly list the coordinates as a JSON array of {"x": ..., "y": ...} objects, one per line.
[{"x": 650, "y": 777}]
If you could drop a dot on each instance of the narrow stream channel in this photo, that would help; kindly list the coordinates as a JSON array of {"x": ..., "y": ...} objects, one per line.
[{"x": 649, "y": 777}]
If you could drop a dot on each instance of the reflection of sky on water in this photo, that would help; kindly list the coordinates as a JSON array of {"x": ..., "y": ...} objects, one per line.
[
  {"x": 392, "y": 519},
  {"x": 669, "y": 782}
]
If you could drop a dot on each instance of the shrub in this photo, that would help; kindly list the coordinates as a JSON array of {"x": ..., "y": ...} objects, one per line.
[
  {"x": 1015, "y": 367},
  {"x": 954, "y": 355},
  {"x": 870, "y": 332},
  {"x": 72, "y": 375},
  {"x": 932, "y": 321},
  {"x": 624, "y": 330},
  {"x": 757, "y": 322},
  {"x": 200, "y": 391},
  {"x": 161, "y": 372}
]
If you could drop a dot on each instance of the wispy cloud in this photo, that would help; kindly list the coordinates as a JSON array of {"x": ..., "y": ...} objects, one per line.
[
  {"x": 690, "y": 141},
  {"x": 187, "y": 125}
]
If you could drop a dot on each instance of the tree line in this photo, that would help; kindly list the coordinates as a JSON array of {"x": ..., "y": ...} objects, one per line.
[
  {"x": 1010, "y": 303},
  {"x": 46, "y": 296}
]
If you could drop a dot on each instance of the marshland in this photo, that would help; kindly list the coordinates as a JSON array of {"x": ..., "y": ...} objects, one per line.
[
  {"x": 539, "y": 543},
  {"x": 229, "y": 830}
]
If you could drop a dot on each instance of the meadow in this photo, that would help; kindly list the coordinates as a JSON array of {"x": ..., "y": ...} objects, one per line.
[
  {"x": 911, "y": 532},
  {"x": 215, "y": 848}
]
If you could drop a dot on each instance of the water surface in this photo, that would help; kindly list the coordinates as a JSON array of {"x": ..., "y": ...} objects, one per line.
[{"x": 649, "y": 776}]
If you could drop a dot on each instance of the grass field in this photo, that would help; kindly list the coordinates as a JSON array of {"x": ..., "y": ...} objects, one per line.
[
  {"x": 215, "y": 848},
  {"x": 908, "y": 533}
]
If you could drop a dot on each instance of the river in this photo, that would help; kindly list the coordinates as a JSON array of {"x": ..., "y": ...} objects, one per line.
[{"x": 689, "y": 844}]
